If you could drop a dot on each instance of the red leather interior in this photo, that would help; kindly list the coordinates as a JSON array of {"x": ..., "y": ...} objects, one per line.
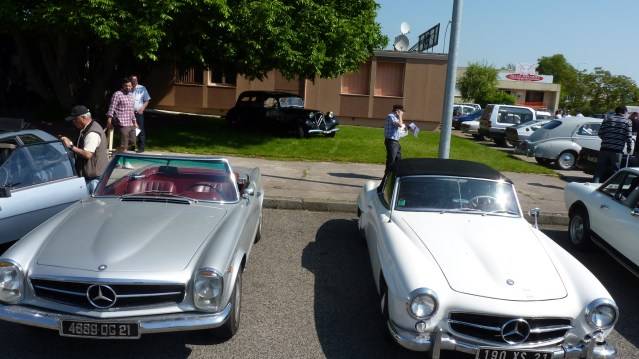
[{"x": 144, "y": 185}]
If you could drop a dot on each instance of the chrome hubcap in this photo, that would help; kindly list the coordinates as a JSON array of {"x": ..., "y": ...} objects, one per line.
[
  {"x": 567, "y": 160},
  {"x": 577, "y": 229}
]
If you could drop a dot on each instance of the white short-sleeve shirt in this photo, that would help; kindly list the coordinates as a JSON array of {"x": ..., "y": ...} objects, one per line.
[{"x": 91, "y": 142}]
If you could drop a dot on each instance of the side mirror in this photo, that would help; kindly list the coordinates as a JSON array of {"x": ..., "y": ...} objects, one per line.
[
  {"x": 5, "y": 192},
  {"x": 635, "y": 212},
  {"x": 248, "y": 191},
  {"x": 534, "y": 213}
]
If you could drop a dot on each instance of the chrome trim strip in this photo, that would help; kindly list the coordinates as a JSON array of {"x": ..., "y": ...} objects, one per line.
[
  {"x": 494, "y": 329},
  {"x": 552, "y": 328},
  {"x": 147, "y": 295},
  {"x": 80, "y": 294}
]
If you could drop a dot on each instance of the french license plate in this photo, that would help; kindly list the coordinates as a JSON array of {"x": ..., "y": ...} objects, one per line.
[
  {"x": 488, "y": 353},
  {"x": 113, "y": 330}
]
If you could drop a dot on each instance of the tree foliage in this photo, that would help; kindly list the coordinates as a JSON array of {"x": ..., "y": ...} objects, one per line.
[
  {"x": 479, "y": 84},
  {"x": 598, "y": 91},
  {"x": 70, "y": 51}
]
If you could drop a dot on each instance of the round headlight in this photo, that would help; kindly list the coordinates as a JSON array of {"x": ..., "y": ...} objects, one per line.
[
  {"x": 331, "y": 114},
  {"x": 207, "y": 289},
  {"x": 311, "y": 115},
  {"x": 602, "y": 313},
  {"x": 10, "y": 282},
  {"x": 422, "y": 304}
]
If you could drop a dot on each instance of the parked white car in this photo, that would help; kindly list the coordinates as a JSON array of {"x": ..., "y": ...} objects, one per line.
[
  {"x": 496, "y": 118},
  {"x": 560, "y": 141},
  {"x": 518, "y": 133},
  {"x": 472, "y": 128},
  {"x": 448, "y": 280},
  {"x": 607, "y": 215}
]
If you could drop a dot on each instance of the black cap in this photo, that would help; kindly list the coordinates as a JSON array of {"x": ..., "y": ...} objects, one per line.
[{"x": 76, "y": 111}]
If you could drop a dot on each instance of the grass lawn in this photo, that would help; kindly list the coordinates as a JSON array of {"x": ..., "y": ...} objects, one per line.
[{"x": 200, "y": 135}]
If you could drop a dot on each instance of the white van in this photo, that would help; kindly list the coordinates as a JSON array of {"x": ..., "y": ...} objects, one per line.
[{"x": 496, "y": 118}]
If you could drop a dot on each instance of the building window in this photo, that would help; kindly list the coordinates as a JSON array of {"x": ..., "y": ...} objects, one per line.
[
  {"x": 357, "y": 83},
  {"x": 189, "y": 76},
  {"x": 389, "y": 79},
  {"x": 223, "y": 78}
]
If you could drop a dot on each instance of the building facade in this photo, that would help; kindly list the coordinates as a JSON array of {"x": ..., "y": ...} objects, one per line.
[{"x": 365, "y": 97}]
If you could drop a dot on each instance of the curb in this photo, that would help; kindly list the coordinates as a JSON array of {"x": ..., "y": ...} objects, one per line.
[{"x": 351, "y": 207}]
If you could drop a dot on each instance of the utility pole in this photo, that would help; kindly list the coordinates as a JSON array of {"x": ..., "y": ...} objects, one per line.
[{"x": 451, "y": 79}]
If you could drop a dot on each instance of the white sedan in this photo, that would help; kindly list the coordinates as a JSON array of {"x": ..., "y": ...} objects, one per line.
[
  {"x": 458, "y": 268},
  {"x": 607, "y": 215}
]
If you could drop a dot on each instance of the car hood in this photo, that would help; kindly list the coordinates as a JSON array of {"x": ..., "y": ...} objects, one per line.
[
  {"x": 489, "y": 256},
  {"x": 130, "y": 236}
]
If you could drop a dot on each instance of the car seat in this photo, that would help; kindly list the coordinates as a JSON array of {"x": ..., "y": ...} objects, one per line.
[{"x": 142, "y": 185}]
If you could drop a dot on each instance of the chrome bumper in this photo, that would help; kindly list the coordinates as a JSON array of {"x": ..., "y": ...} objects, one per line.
[
  {"x": 148, "y": 324},
  {"x": 326, "y": 132},
  {"x": 437, "y": 341}
]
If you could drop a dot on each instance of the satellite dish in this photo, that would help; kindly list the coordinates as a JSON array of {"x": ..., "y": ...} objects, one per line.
[
  {"x": 401, "y": 43},
  {"x": 404, "y": 28}
]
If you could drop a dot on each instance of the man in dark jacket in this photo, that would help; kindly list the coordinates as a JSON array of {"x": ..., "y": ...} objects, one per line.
[
  {"x": 91, "y": 149},
  {"x": 615, "y": 133}
]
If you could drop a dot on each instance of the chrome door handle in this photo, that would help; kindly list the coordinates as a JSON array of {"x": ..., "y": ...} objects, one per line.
[{"x": 603, "y": 206}]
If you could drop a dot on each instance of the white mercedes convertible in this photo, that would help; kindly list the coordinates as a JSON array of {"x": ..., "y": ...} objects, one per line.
[{"x": 458, "y": 268}]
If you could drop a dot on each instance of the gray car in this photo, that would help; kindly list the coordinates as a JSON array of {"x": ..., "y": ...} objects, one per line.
[
  {"x": 37, "y": 180},
  {"x": 159, "y": 247}
]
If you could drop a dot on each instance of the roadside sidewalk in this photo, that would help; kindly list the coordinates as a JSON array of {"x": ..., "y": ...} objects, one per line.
[{"x": 334, "y": 186}]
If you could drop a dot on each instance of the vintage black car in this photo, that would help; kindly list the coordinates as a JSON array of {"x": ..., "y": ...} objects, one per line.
[{"x": 281, "y": 110}]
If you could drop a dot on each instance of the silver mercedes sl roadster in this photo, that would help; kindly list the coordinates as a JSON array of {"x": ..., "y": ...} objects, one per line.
[{"x": 159, "y": 247}]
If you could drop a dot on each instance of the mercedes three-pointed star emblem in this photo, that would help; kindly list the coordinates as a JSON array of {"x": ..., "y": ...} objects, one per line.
[
  {"x": 515, "y": 331},
  {"x": 101, "y": 296}
]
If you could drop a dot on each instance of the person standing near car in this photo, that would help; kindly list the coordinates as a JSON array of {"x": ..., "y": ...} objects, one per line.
[
  {"x": 90, "y": 153},
  {"x": 121, "y": 115},
  {"x": 615, "y": 133},
  {"x": 394, "y": 122},
  {"x": 141, "y": 100}
]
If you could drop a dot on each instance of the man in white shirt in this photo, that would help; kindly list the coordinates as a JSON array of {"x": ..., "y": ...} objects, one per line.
[{"x": 141, "y": 100}]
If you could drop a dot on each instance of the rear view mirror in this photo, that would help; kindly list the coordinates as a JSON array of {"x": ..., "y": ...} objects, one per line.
[
  {"x": 534, "y": 213},
  {"x": 5, "y": 192}
]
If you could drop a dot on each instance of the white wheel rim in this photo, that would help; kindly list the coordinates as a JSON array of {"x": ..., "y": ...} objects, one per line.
[
  {"x": 577, "y": 229},
  {"x": 567, "y": 160}
]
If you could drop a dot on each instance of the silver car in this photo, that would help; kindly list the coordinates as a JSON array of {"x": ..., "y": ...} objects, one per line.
[
  {"x": 37, "y": 180},
  {"x": 159, "y": 247},
  {"x": 561, "y": 140}
]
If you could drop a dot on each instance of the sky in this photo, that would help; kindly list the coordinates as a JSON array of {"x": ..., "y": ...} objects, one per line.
[{"x": 589, "y": 33}]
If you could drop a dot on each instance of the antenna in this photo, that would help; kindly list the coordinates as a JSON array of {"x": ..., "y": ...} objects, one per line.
[
  {"x": 404, "y": 28},
  {"x": 401, "y": 43}
]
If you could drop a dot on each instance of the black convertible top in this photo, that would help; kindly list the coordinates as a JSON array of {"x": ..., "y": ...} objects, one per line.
[{"x": 444, "y": 167}]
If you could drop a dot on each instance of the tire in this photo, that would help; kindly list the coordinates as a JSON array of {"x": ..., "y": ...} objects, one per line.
[
  {"x": 300, "y": 132},
  {"x": 258, "y": 235},
  {"x": 383, "y": 304},
  {"x": 478, "y": 137},
  {"x": 232, "y": 324},
  {"x": 500, "y": 142},
  {"x": 566, "y": 160},
  {"x": 579, "y": 229},
  {"x": 332, "y": 134}
]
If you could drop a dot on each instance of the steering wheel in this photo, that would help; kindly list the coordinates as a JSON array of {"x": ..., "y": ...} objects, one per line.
[{"x": 482, "y": 201}]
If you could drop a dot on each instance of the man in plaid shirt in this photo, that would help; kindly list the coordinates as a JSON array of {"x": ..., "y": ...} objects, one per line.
[{"x": 122, "y": 116}]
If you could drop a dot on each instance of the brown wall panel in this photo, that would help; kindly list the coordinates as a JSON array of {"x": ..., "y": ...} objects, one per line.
[
  {"x": 353, "y": 106},
  {"x": 382, "y": 106},
  {"x": 221, "y": 98},
  {"x": 323, "y": 94},
  {"x": 188, "y": 96},
  {"x": 282, "y": 84}
]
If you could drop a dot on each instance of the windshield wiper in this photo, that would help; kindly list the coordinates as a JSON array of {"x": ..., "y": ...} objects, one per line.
[
  {"x": 161, "y": 193},
  {"x": 501, "y": 211}
]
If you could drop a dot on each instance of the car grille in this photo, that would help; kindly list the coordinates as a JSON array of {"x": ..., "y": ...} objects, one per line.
[
  {"x": 128, "y": 295},
  {"x": 488, "y": 328}
]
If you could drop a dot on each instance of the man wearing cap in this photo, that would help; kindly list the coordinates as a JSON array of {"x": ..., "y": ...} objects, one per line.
[
  {"x": 121, "y": 115},
  {"x": 394, "y": 122},
  {"x": 91, "y": 149}
]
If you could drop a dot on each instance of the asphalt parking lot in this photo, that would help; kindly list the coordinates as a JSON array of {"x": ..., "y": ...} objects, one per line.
[{"x": 307, "y": 293}]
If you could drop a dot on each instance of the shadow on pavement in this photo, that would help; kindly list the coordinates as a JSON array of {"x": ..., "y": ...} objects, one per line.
[
  {"x": 21, "y": 342},
  {"x": 535, "y": 184},
  {"x": 347, "y": 319},
  {"x": 622, "y": 285},
  {"x": 312, "y": 181},
  {"x": 580, "y": 179},
  {"x": 354, "y": 175}
]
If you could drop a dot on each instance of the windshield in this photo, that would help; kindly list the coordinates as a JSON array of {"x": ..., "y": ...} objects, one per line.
[
  {"x": 455, "y": 194},
  {"x": 552, "y": 124},
  {"x": 291, "y": 102},
  {"x": 193, "y": 179}
]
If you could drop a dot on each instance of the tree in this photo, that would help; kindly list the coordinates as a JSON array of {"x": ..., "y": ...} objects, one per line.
[
  {"x": 71, "y": 51},
  {"x": 479, "y": 84}
]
